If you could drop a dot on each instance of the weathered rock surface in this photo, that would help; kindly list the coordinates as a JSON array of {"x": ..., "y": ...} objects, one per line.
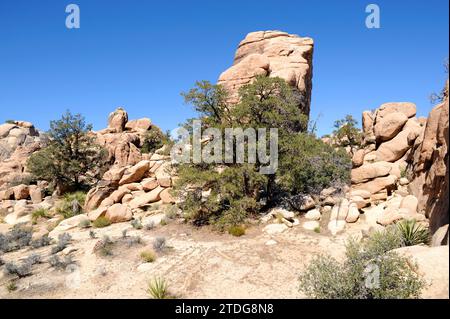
[
  {"x": 430, "y": 167},
  {"x": 433, "y": 265},
  {"x": 274, "y": 54}
]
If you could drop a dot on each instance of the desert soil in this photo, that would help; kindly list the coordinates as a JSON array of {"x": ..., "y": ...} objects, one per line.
[{"x": 199, "y": 263}]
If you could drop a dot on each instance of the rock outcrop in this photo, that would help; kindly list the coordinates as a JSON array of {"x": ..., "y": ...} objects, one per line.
[
  {"x": 18, "y": 140},
  {"x": 404, "y": 165},
  {"x": 274, "y": 54},
  {"x": 429, "y": 169},
  {"x": 389, "y": 134},
  {"x": 122, "y": 138},
  {"x": 135, "y": 180}
]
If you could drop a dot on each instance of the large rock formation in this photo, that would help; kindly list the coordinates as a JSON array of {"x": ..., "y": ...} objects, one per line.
[
  {"x": 404, "y": 165},
  {"x": 274, "y": 54},
  {"x": 430, "y": 166},
  {"x": 122, "y": 138},
  {"x": 18, "y": 140},
  {"x": 389, "y": 134},
  {"x": 134, "y": 180}
]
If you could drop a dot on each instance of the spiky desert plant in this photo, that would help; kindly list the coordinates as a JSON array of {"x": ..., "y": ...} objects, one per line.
[
  {"x": 413, "y": 233},
  {"x": 157, "y": 289}
]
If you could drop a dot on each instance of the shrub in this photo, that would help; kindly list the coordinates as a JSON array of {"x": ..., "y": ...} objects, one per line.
[
  {"x": 104, "y": 246},
  {"x": 150, "y": 225},
  {"x": 370, "y": 271},
  {"x": 346, "y": 133},
  {"x": 41, "y": 242},
  {"x": 72, "y": 158},
  {"x": 239, "y": 191},
  {"x": 154, "y": 139},
  {"x": 403, "y": 172},
  {"x": 157, "y": 289},
  {"x": 236, "y": 231},
  {"x": 22, "y": 270},
  {"x": 39, "y": 213},
  {"x": 101, "y": 222},
  {"x": 71, "y": 204},
  {"x": 17, "y": 238},
  {"x": 133, "y": 240},
  {"x": 92, "y": 234},
  {"x": 136, "y": 223},
  {"x": 86, "y": 223},
  {"x": 11, "y": 286},
  {"x": 22, "y": 179},
  {"x": 159, "y": 244},
  {"x": 63, "y": 241},
  {"x": 148, "y": 256},
  {"x": 34, "y": 259},
  {"x": 311, "y": 166},
  {"x": 317, "y": 230},
  {"x": 413, "y": 233},
  {"x": 171, "y": 212},
  {"x": 59, "y": 263}
]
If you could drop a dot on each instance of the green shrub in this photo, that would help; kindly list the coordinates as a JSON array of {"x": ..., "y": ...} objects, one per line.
[
  {"x": 10, "y": 122},
  {"x": 413, "y": 233},
  {"x": 101, "y": 222},
  {"x": 72, "y": 159},
  {"x": 240, "y": 191},
  {"x": 154, "y": 139},
  {"x": 171, "y": 211},
  {"x": 86, "y": 223},
  {"x": 346, "y": 133},
  {"x": 370, "y": 271},
  {"x": 11, "y": 286},
  {"x": 158, "y": 289},
  {"x": 148, "y": 256},
  {"x": 403, "y": 172},
  {"x": 317, "y": 230},
  {"x": 39, "y": 213},
  {"x": 22, "y": 179},
  {"x": 236, "y": 231},
  {"x": 71, "y": 204}
]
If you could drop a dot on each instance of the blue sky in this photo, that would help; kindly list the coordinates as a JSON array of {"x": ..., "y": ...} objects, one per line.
[{"x": 142, "y": 54}]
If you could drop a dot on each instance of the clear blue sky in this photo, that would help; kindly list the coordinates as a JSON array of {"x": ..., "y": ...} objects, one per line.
[{"x": 142, "y": 54}]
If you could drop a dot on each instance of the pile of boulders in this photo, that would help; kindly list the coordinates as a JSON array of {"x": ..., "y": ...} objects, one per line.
[
  {"x": 135, "y": 180},
  {"x": 126, "y": 190},
  {"x": 18, "y": 140},
  {"x": 380, "y": 167},
  {"x": 123, "y": 139}
]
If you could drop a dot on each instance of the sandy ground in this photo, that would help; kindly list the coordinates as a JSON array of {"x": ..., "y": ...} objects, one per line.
[{"x": 199, "y": 263}]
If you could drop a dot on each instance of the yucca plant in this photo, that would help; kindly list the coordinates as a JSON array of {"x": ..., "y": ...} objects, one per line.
[
  {"x": 157, "y": 289},
  {"x": 413, "y": 233}
]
